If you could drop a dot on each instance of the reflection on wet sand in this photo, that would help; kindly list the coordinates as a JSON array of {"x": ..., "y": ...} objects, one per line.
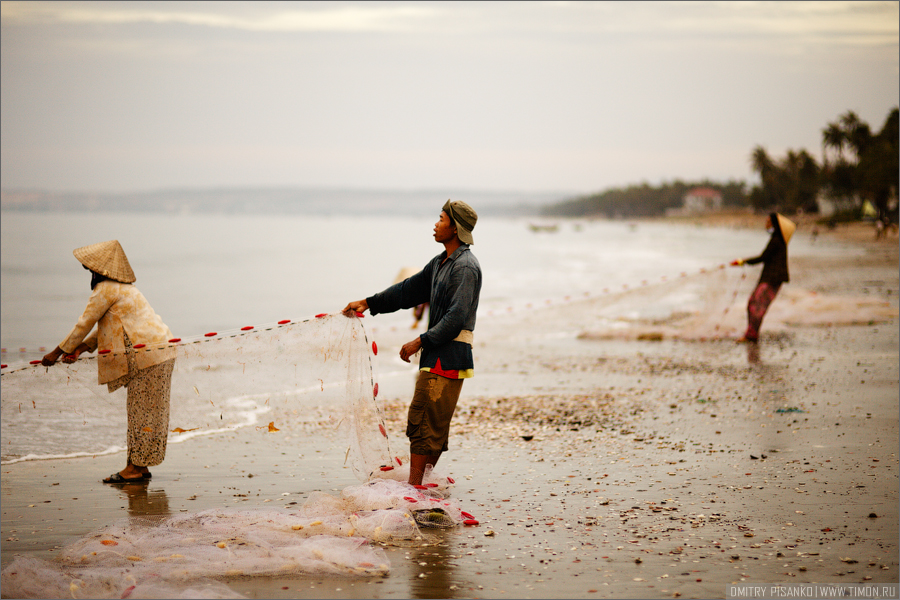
[
  {"x": 144, "y": 501},
  {"x": 752, "y": 354},
  {"x": 434, "y": 571}
]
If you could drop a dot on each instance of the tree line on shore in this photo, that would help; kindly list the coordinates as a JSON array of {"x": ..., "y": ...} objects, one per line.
[{"x": 858, "y": 166}]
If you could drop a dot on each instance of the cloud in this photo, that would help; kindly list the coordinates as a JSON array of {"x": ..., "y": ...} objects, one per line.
[
  {"x": 837, "y": 21},
  {"x": 260, "y": 17},
  {"x": 871, "y": 22}
]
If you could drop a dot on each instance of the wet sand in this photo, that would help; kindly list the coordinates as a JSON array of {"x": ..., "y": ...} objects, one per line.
[{"x": 596, "y": 467}]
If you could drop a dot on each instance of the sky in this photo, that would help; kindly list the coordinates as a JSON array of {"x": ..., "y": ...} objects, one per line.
[{"x": 529, "y": 96}]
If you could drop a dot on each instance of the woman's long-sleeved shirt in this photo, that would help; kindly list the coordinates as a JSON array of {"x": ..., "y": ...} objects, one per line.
[
  {"x": 118, "y": 309},
  {"x": 773, "y": 258}
]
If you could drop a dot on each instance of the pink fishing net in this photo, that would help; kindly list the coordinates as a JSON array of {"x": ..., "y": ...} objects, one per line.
[{"x": 285, "y": 377}]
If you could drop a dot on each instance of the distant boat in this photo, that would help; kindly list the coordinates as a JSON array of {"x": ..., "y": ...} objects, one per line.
[{"x": 552, "y": 228}]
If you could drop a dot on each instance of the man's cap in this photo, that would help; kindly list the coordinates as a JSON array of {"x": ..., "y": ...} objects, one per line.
[
  {"x": 464, "y": 217},
  {"x": 107, "y": 259}
]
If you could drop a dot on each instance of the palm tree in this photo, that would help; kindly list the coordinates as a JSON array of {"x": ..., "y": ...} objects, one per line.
[
  {"x": 870, "y": 171},
  {"x": 877, "y": 167},
  {"x": 766, "y": 194},
  {"x": 833, "y": 137},
  {"x": 789, "y": 184},
  {"x": 857, "y": 134},
  {"x": 760, "y": 160}
]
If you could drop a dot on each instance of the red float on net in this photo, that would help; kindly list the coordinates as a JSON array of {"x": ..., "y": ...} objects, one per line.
[
  {"x": 470, "y": 522},
  {"x": 375, "y": 390},
  {"x": 383, "y": 432},
  {"x": 374, "y": 348},
  {"x": 450, "y": 480},
  {"x": 399, "y": 462},
  {"x": 139, "y": 346},
  {"x": 321, "y": 315},
  {"x": 247, "y": 328},
  {"x": 210, "y": 334},
  {"x": 34, "y": 362},
  {"x": 174, "y": 340},
  {"x": 284, "y": 321},
  {"x": 104, "y": 351},
  {"x": 387, "y": 468}
]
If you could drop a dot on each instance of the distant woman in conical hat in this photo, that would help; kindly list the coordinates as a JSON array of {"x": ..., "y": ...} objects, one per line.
[
  {"x": 774, "y": 273},
  {"x": 134, "y": 353}
]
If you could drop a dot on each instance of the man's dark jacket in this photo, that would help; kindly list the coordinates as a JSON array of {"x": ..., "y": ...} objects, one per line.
[{"x": 451, "y": 288}]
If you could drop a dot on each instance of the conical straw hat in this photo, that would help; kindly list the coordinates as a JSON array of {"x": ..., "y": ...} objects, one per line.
[
  {"x": 107, "y": 259},
  {"x": 405, "y": 273},
  {"x": 787, "y": 227}
]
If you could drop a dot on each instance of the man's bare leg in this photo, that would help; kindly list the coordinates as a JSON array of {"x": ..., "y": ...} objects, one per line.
[{"x": 417, "y": 465}]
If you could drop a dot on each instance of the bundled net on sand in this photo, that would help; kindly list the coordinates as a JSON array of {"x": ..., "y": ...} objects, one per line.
[{"x": 189, "y": 555}]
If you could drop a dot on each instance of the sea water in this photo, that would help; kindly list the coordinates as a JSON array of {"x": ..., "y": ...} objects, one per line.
[{"x": 211, "y": 273}]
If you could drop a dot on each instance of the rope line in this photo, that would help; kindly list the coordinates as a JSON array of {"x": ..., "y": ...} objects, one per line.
[
  {"x": 174, "y": 342},
  {"x": 247, "y": 329}
]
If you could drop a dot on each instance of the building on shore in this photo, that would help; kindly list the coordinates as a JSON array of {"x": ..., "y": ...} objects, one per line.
[{"x": 698, "y": 200}]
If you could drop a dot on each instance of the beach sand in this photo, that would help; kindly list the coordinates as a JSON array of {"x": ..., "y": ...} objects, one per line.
[{"x": 596, "y": 467}]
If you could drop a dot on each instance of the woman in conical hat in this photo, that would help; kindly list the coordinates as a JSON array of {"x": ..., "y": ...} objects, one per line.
[
  {"x": 774, "y": 272},
  {"x": 134, "y": 352}
]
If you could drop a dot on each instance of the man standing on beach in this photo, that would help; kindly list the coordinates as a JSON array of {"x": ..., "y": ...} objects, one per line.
[{"x": 451, "y": 284}]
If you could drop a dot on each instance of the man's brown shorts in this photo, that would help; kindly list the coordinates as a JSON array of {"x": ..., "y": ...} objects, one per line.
[{"x": 430, "y": 412}]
